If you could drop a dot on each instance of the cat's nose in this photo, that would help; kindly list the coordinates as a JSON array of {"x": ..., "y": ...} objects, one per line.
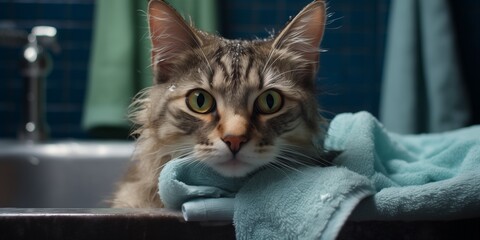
[{"x": 234, "y": 142}]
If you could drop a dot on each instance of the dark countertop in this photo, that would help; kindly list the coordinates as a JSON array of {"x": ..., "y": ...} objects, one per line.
[
  {"x": 107, "y": 223},
  {"x": 104, "y": 223}
]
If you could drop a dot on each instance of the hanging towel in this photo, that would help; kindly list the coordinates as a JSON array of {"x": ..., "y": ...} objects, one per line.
[
  {"x": 120, "y": 59},
  {"x": 422, "y": 87}
]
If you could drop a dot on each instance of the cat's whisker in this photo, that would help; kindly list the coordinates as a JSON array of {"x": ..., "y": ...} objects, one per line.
[
  {"x": 181, "y": 153},
  {"x": 279, "y": 167},
  {"x": 186, "y": 162},
  {"x": 183, "y": 150},
  {"x": 181, "y": 161},
  {"x": 292, "y": 162},
  {"x": 300, "y": 151},
  {"x": 309, "y": 159},
  {"x": 293, "y": 166}
]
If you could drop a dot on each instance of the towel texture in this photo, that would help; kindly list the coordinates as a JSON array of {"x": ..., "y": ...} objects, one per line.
[
  {"x": 311, "y": 203},
  {"x": 422, "y": 87},
  {"x": 418, "y": 177},
  {"x": 180, "y": 181},
  {"x": 412, "y": 177}
]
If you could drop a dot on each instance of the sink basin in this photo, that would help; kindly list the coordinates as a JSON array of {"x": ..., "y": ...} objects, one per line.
[{"x": 63, "y": 174}]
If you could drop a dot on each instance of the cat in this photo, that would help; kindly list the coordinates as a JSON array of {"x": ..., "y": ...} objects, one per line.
[{"x": 235, "y": 105}]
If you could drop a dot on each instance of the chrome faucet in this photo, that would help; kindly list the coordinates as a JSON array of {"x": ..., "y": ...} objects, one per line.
[{"x": 36, "y": 65}]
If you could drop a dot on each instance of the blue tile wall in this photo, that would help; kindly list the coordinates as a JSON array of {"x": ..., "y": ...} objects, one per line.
[
  {"x": 350, "y": 69},
  {"x": 65, "y": 89}
]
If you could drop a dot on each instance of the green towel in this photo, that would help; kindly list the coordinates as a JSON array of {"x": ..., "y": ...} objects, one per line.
[
  {"x": 422, "y": 86},
  {"x": 120, "y": 60}
]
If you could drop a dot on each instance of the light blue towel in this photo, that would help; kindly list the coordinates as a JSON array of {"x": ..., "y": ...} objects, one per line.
[
  {"x": 181, "y": 181},
  {"x": 414, "y": 177},
  {"x": 311, "y": 203},
  {"x": 308, "y": 203},
  {"x": 209, "y": 209},
  {"x": 422, "y": 88},
  {"x": 418, "y": 177}
]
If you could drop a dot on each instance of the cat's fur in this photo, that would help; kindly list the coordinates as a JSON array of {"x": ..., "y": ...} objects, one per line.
[{"x": 234, "y": 138}]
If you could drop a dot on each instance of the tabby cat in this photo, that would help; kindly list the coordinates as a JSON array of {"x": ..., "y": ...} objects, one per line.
[{"x": 235, "y": 105}]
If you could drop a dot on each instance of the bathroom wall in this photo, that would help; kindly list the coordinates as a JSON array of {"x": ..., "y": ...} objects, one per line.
[
  {"x": 350, "y": 69},
  {"x": 66, "y": 83}
]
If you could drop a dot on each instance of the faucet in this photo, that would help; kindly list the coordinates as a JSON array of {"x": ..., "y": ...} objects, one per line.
[{"x": 36, "y": 64}]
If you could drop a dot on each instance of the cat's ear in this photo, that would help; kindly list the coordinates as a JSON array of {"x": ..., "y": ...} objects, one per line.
[
  {"x": 170, "y": 36},
  {"x": 304, "y": 32}
]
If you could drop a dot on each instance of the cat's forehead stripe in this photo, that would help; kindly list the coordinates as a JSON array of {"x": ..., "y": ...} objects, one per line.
[
  {"x": 222, "y": 65},
  {"x": 249, "y": 66},
  {"x": 236, "y": 60}
]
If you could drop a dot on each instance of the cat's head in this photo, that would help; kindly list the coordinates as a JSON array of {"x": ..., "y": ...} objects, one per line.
[{"x": 235, "y": 105}]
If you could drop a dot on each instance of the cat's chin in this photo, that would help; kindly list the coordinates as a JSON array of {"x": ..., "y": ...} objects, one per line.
[{"x": 233, "y": 168}]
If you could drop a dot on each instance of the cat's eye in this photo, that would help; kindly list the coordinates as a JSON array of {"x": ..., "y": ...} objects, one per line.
[
  {"x": 269, "y": 102},
  {"x": 200, "y": 101}
]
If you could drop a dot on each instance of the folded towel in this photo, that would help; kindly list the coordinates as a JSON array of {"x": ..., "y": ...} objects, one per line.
[
  {"x": 209, "y": 209},
  {"x": 181, "y": 181},
  {"x": 418, "y": 177}
]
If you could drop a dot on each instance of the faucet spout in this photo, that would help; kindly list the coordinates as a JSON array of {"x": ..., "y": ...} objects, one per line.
[{"x": 36, "y": 65}]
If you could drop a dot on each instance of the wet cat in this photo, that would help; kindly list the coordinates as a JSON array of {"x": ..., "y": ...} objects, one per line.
[{"x": 234, "y": 105}]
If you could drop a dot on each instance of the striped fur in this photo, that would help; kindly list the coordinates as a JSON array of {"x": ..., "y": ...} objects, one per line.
[{"x": 235, "y": 73}]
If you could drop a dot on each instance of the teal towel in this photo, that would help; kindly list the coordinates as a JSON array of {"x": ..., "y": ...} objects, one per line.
[
  {"x": 201, "y": 193},
  {"x": 418, "y": 177},
  {"x": 422, "y": 89},
  {"x": 412, "y": 177},
  {"x": 182, "y": 181},
  {"x": 311, "y": 203},
  {"x": 209, "y": 209},
  {"x": 308, "y": 203}
]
